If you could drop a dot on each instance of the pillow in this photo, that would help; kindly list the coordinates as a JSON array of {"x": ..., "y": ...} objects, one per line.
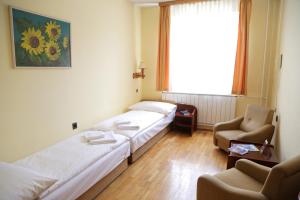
[
  {"x": 154, "y": 106},
  {"x": 21, "y": 183}
]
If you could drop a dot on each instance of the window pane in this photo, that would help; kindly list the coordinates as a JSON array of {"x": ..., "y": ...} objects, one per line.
[{"x": 203, "y": 40}]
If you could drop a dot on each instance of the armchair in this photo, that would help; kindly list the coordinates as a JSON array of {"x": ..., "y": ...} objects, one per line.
[
  {"x": 255, "y": 126},
  {"x": 251, "y": 181}
]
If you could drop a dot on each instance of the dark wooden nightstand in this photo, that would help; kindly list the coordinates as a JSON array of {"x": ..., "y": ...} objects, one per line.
[
  {"x": 268, "y": 159},
  {"x": 186, "y": 122}
]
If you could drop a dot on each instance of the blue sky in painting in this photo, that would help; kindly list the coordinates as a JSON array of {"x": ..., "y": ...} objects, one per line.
[{"x": 36, "y": 20}]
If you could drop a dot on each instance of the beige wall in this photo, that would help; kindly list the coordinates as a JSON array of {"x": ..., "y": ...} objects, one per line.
[
  {"x": 262, "y": 52},
  {"x": 288, "y": 90},
  {"x": 37, "y": 106},
  {"x": 150, "y": 28},
  {"x": 273, "y": 61},
  {"x": 138, "y": 37},
  {"x": 259, "y": 63}
]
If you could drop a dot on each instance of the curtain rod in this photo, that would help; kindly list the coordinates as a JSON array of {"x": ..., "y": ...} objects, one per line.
[{"x": 175, "y": 2}]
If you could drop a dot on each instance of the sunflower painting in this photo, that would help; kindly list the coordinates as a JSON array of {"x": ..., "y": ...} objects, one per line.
[{"x": 40, "y": 41}]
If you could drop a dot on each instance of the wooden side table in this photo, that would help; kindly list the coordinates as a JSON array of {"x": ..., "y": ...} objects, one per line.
[
  {"x": 187, "y": 122},
  {"x": 268, "y": 159}
]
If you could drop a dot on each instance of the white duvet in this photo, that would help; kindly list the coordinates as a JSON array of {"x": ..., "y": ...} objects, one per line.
[
  {"x": 143, "y": 119},
  {"x": 68, "y": 158}
]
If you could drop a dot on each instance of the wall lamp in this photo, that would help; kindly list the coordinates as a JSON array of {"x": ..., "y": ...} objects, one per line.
[{"x": 141, "y": 74}]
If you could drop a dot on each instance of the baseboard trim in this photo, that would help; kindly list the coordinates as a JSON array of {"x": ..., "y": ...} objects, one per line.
[{"x": 208, "y": 127}]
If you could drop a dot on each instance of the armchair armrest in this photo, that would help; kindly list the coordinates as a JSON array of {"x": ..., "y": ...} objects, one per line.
[
  {"x": 210, "y": 187},
  {"x": 230, "y": 125},
  {"x": 259, "y": 135},
  {"x": 258, "y": 172}
]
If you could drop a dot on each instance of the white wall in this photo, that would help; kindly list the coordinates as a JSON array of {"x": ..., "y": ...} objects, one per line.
[
  {"x": 289, "y": 83},
  {"x": 38, "y": 106}
]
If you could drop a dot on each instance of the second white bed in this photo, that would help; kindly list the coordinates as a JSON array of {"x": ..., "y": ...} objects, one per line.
[{"x": 150, "y": 123}]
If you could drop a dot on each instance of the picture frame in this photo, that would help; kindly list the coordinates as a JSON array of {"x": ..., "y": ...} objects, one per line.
[{"x": 39, "y": 41}]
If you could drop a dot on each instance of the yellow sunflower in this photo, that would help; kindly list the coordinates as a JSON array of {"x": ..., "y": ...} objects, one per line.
[
  {"x": 52, "y": 50},
  {"x": 53, "y": 30},
  {"x": 33, "y": 41},
  {"x": 66, "y": 42}
]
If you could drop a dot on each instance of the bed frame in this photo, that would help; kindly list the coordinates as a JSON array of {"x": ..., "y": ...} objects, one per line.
[
  {"x": 140, "y": 151},
  {"x": 96, "y": 189}
]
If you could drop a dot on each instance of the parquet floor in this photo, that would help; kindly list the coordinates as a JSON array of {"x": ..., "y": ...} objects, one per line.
[{"x": 169, "y": 170}]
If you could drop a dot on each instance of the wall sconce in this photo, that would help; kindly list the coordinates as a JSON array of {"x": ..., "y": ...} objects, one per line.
[{"x": 141, "y": 74}]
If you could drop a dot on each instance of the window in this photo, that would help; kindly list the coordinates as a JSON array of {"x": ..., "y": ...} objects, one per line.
[{"x": 203, "y": 41}]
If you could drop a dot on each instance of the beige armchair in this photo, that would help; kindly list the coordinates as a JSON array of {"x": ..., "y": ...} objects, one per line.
[
  {"x": 256, "y": 126},
  {"x": 251, "y": 181}
]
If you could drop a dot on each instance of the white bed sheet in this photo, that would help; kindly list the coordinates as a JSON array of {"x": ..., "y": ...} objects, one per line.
[
  {"x": 151, "y": 123},
  {"x": 144, "y": 136},
  {"x": 90, "y": 176},
  {"x": 143, "y": 119},
  {"x": 68, "y": 158}
]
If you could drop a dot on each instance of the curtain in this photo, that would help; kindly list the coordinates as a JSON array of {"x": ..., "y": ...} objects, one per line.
[
  {"x": 203, "y": 42},
  {"x": 162, "y": 77},
  {"x": 241, "y": 60}
]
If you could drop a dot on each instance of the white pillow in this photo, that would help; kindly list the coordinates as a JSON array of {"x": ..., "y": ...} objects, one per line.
[
  {"x": 19, "y": 183},
  {"x": 154, "y": 106}
]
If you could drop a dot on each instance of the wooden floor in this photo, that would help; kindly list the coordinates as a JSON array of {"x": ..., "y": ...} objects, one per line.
[{"x": 169, "y": 170}]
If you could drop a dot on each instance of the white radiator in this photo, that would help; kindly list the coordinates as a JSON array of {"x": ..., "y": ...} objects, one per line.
[{"x": 211, "y": 108}]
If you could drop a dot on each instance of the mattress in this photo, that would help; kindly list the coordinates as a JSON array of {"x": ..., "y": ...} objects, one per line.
[
  {"x": 70, "y": 158},
  {"x": 150, "y": 124}
]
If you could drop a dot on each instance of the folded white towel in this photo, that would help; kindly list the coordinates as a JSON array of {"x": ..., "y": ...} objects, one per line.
[
  {"x": 128, "y": 127},
  {"x": 120, "y": 122},
  {"x": 93, "y": 135},
  {"x": 108, "y": 138}
]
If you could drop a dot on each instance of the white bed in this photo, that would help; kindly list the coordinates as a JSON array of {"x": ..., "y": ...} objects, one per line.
[
  {"x": 150, "y": 123},
  {"x": 76, "y": 165},
  {"x": 145, "y": 135},
  {"x": 75, "y": 169}
]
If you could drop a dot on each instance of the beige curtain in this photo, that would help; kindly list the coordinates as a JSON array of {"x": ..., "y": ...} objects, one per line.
[
  {"x": 241, "y": 60},
  {"x": 162, "y": 77}
]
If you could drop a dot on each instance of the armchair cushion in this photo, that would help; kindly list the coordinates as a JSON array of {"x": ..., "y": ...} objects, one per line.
[
  {"x": 223, "y": 126},
  {"x": 223, "y": 137},
  {"x": 255, "y": 117},
  {"x": 238, "y": 179},
  {"x": 212, "y": 188}
]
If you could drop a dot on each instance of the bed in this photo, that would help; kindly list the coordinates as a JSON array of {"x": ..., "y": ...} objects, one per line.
[
  {"x": 82, "y": 170},
  {"x": 154, "y": 123},
  {"x": 75, "y": 169}
]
